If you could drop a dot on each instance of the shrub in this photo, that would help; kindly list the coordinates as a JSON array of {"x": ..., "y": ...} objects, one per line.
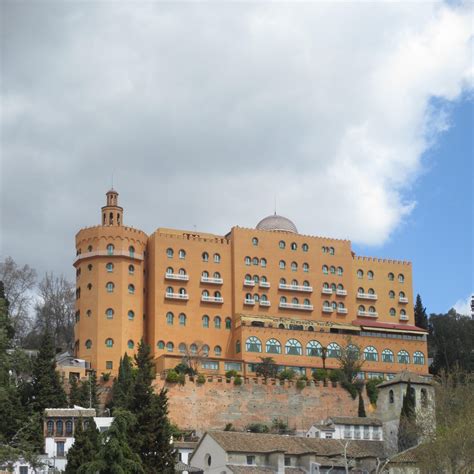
[
  {"x": 372, "y": 390},
  {"x": 335, "y": 376},
  {"x": 181, "y": 379},
  {"x": 257, "y": 428},
  {"x": 279, "y": 426},
  {"x": 287, "y": 374},
  {"x": 229, "y": 427},
  {"x": 238, "y": 380},
  {"x": 320, "y": 374},
  {"x": 105, "y": 376},
  {"x": 183, "y": 368},
  {"x": 300, "y": 384},
  {"x": 231, "y": 373},
  {"x": 172, "y": 376},
  {"x": 351, "y": 388},
  {"x": 201, "y": 379}
]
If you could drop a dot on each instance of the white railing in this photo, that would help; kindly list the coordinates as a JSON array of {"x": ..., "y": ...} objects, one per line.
[
  {"x": 327, "y": 309},
  {"x": 177, "y": 296},
  {"x": 214, "y": 281},
  {"x": 342, "y": 310},
  {"x": 212, "y": 299},
  {"x": 366, "y": 296},
  {"x": 369, "y": 314},
  {"x": 285, "y": 286},
  {"x": 403, "y": 299},
  {"x": 341, "y": 292},
  {"x": 249, "y": 301},
  {"x": 264, "y": 303},
  {"x": 326, "y": 291},
  {"x": 264, "y": 284},
  {"x": 306, "y": 307},
  {"x": 404, "y": 318},
  {"x": 176, "y": 276},
  {"x": 249, "y": 283}
]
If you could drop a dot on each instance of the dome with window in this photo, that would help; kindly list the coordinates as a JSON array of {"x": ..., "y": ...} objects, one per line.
[{"x": 277, "y": 223}]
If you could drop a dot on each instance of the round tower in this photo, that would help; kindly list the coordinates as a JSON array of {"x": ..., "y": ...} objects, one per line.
[{"x": 110, "y": 289}]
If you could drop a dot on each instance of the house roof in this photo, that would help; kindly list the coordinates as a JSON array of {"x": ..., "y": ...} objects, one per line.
[
  {"x": 354, "y": 420},
  {"x": 185, "y": 444},
  {"x": 406, "y": 376},
  {"x": 77, "y": 411},
  {"x": 405, "y": 457},
  {"x": 181, "y": 467},
  {"x": 398, "y": 327},
  {"x": 250, "y": 469}
]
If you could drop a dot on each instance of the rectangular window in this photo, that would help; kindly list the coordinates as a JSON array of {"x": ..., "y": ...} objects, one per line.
[
  {"x": 328, "y": 436},
  {"x": 366, "y": 432},
  {"x": 233, "y": 366},
  {"x": 60, "y": 448},
  {"x": 23, "y": 469},
  {"x": 357, "y": 432},
  {"x": 251, "y": 460},
  {"x": 210, "y": 365},
  {"x": 376, "y": 433},
  {"x": 287, "y": 461},
  {"x": 347, "y": 432},
  {"x": 109, "y": 365}
]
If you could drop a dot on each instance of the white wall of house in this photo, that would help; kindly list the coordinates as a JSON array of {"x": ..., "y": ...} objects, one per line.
[{"x": 218, "y": 457}]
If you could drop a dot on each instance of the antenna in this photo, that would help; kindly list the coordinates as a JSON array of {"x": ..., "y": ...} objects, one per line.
[
  {"x": 275, "y": 204},
  {"x": 112, "y": 181}
]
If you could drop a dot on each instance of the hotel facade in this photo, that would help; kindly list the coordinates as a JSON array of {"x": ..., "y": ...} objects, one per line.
[{"x": 225, "y": 301}]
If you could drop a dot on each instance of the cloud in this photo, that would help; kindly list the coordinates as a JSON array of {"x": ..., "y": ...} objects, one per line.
[
  {"x": 205, "y": 112},
  {"x": 463, "y": 306}
]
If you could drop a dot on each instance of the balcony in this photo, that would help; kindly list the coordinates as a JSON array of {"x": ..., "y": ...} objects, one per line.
[
  {"x": 326, "y": 291},
  {"x": 366, "y": 296},
  {"x": 327, "y": 309},
  {"x": 367, "y": 314},
  {"x": 249, "y": 301},
  {"x": 212, "y": 299},
  {"x": 304, "y": 307},
  {"x": 176, "y": 276},
  {"x": 306, "y": 289},
  {"x": 403, "y": 299},
  {"x": 177, "y": 296},
  {"x": 342, "y": 310},
  {"x": 341, "y": 292},
  {"x": 264, "y": 303},
  {"x": 404, "y": 317},
  {"x": 249, "y": 283},
  {"x": 264, "y": 284},
  {"x": 212, "y": 280}
]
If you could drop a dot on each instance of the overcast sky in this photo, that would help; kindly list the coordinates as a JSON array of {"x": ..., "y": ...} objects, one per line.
[{"x": 204, "y": 112}]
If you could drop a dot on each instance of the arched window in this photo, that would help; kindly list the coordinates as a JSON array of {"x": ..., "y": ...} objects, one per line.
[
  {"x": 282, "y": 281},
  {"x": 294, "y": 282},
  {"x": 360, "y": 274},
  {"x": 131, "y": 269},
  {"x": 131, "y": 289},
  {"x": 340, "y": 286},
  {"x": 89, "y": 286},
  {"x": 372, "y": 309},
  {"x": 237, "y": 347},
  {"x": 273, "y": 346},
  {"x": 401, "y": 278},
  {"x": 263, "y": 279},
  {"x": 255, "y": 241},
  {"x": 391, "y": 398},
  {"x": 205, "y": 350},
  {"x": 387, "y": 356},
  {"x": 193, "y": 348},
  {"x": 403, "y": 312},
  {"x": 182, "y": 254},
  {"x": 160, "y": 345},
  {"x": 306, "y": 283},
  {"x": 403, "y": 357},
  {"x": 264, "y": 298},
  {"x": 216, "y": 275},
  {"x": 282, "y": 244},
  {"x": 305, "y": 267},
  {"x": 110, "y": 287},
  {"x": 371, "y": 291},
  {"x": 169, "y": 271},
  {"x": 294, "y": 266},
  {"x": 294, "y": 300},
  {"x": 293, "y": 347},
  {"x": 131, "y": 251},
  {"x": 109, "y": 313},
  {"x": 256, "y": 297},
  {"x": 88, "y": 344},
  {"x": 327, "y": 304},
  {"x": 334, "y": 305},
  {"x": 248, "y": 296},
  {"x": 182, "y": 319},
  {"x": 228, "y": 323},
  {"x": 282, "y": 299},
  {"x": 353, "y": 352},
  {"x": 218, "y": 351},
  {"x": 325, "y": 269},
  {"x": 334, "y": 350},
  {"x": 59, "y": 427},
  {"x": 181, "y": 271},
  {"x": 217, "y": 322},
  {"x": 248, "y": 277},
  {"x": 131, "y": 315},
  {"x": 255, "y": 261},
  {"x": 361, "y": 307},
  {"x": 205, "y": 321},
  {"x": 205, "y": 274},
  {"x": 332, "y": 269},
  {"x": 256, "y": 279},
  {"x": 340, "y": 306},
  {"x": 263, "y": 262},
  {"x": 248, "y": 260},
  {"x": 331, "y": 251},
  {"x": 305, "y": 247},
  {"x": 169, "y": 253},
  {"x": 217, "y": 258},
  {"x": 293, "y": 246},
  {"x": 170, "y": 347},
  {"x": 282, "y": 264},
  {"x": 169, "y": 290},
  {"x": 253, "y": 344},
  {"x": 169, "y": 318},
  {"x": 419, "y": 358},
  {"x": 182, "y": 291},
  {"x": 306, "y": 302},
  {"x": 391, "y": 276},
  {"x": 130, "y": 344},
  {"x": 393, "y": 312},
  {"x": 205, "y": 257},
  {"x": 314, "y": 349},
  {"x": 340, "y": 271},
  {"x": 217, "y": 294},
  {"x": 110, "y": 267},
  {"x": 370, "y": 275},
  {"x": 89, "y": 313},
  {"x": 324, "y": 249},
  {"x": 182, "y": 348},
  {"x": 371, "y": 354},
  {"x": 326, "y": 285},
  {"x": 401, "y": 294},
  {"x": 391, "y": 294},
  {"x": 110, "y": 249},
  {"x": 109, "y": 342}
]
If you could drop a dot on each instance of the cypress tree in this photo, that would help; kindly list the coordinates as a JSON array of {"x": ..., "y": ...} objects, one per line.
[
  {"x": 85, "y": 448},
  {"x": 74, "y": 397},
  {"x": 421, "y": 318},
  {"x": 122, "y": 389},
  {"x": 407, "y": 436},
  {"x": 361, "y": 412}
]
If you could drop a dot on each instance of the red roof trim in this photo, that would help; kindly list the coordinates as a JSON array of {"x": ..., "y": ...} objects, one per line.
[{"x": 375, "y": 324}]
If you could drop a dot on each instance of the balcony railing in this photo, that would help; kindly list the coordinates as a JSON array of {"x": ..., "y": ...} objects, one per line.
[
  {"x": 342, "y": 310},
  {"x": 284, "y": 286},
  {"x": 177, "y": 296},
  {"x": 369, "y": 314},
  {"x": 404, "y": 317},
  {"x": 249, "y": 301},
  {"x": 264, "y": 303},
  {"x": 176, "y": 276},
  {"x": 212, "y": 299},
  {"x": 327, "y": 309},
  {"x": 212, "y": 280},
  {"x": 403, "y": 299},
  {"x": 264, "y": 284},
  {"x": 366, "y": 296},
  {"x": 249, "y": 283},
  {"x": 341, "y": 292},
  {"x": 326, "y": 291},
  {"x": 305, "y": 307}
]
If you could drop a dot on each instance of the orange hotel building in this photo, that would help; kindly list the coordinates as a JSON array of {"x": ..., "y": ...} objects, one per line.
[{"x": 251, "y": 293}]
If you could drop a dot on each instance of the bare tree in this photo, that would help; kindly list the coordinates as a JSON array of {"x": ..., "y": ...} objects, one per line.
[
  {"x": 19, "y": 283},
  {"x": 194, "y": 354}
]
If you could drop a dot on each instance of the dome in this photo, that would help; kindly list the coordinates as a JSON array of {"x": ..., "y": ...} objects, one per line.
[{"x": 276, "y": 222}]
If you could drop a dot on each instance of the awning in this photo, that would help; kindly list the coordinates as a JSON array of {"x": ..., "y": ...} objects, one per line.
[{"x": 388, "y": 327}]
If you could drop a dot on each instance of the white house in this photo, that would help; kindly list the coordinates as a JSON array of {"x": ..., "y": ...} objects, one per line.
[{"x": 346, "y": 427}]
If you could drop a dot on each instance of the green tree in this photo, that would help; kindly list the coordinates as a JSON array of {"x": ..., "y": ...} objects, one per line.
[
  {"x": 115, "y": 455},
  {"x": 85, "y": 448},
  {"x": 122, "y": 389},
  {"x": 407, "y": 430},
  {"x": 267, "y": 368},
  {"x": 421, "y": 318},
  {"x": 361, "y": 411}
]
